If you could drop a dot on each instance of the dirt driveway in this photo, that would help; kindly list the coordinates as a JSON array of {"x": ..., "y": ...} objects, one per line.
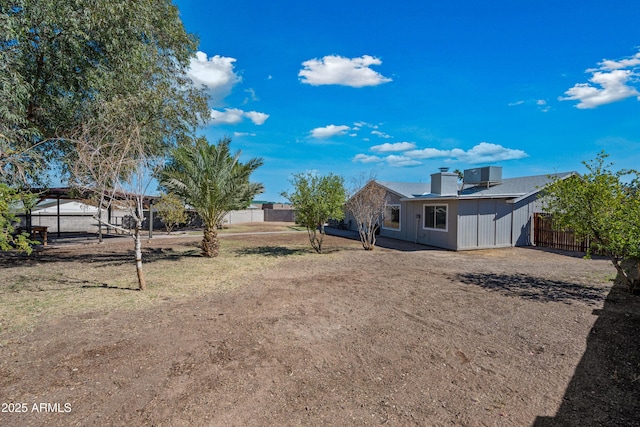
[{"x": 405, "y": 336}]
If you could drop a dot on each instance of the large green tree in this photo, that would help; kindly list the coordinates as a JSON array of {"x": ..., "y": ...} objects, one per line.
[
  {"x": 95, "y": 88},
  {"x": 604, "y": 207},
  {"x": 316, "y": 199},
  {"x": 213, "y": 181},
  {"x": 62, "y": 61}
]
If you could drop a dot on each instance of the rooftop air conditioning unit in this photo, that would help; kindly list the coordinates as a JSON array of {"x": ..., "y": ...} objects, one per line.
[{"x": 486, "y": 175}]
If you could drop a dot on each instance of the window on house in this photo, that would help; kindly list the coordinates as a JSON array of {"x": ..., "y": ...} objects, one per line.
[
  {"x": 391, "y": 217},
  {"x": 435, "y": 217}
]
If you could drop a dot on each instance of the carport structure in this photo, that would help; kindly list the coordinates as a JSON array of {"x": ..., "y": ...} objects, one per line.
[{"x": 60, "y": 194}]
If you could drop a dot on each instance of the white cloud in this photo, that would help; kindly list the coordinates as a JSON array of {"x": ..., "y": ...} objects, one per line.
[
  {"x": 216, "y": 73},
  {"x": 380, "y": 134},
  {"x": 229, "y": 116},
  {"x": 484, "y": 152},
  {"x": 256, "y": 117},
  {"x": 364, "y": 158},
  {"x": 428, "y": 153},
  {"x": 609, "y": 82},
  {"x": 613, "y": 87},
  {"x": 540, "y": 103},
  {"x": 609, "y": 64},
  {"x": 397, "y": 146},
  {"x": 241, "y": 134},
  {"x": 401, "y": 161},
  {"x": 232, "y": 116},
  {"x": 329, "y": 131},
  {"x": 543, "y": 106},
  {"x": 358, "y": 125},
  {"x": 338, "y": 70},
  {"x": 252, "y": 96},
  {"x": 392, "y": 160},
  {"x": 365, "y": 124}
]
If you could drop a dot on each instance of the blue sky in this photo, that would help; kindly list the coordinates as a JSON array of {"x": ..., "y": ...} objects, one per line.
[{"x": 399, "y": 89}]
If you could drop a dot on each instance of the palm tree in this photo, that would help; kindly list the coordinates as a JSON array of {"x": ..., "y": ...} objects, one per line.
[{"x": 213, "y": 182}]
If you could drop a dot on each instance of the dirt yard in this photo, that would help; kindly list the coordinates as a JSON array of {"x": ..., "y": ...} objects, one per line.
[{"x": 403, "y": 335}]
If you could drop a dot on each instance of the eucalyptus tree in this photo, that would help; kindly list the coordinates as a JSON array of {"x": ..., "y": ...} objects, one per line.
[
  {"x": 68, "y": 70},
  {"x": 61, "y": 58},
  {"x": 212, "y": 181}
]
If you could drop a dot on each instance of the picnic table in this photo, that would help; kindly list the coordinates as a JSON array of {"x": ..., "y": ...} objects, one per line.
[{"x": 41, "y": 231}]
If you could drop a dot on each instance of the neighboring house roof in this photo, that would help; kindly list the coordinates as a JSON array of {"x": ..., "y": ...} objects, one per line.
[
  {"x": 511, "y": 188},
  {"x": 49, "y": 206},
  {"x": 407, "y": 190}
]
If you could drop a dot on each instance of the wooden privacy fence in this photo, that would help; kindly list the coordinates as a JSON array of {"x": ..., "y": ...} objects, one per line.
[{"x": 546, "y": 236}]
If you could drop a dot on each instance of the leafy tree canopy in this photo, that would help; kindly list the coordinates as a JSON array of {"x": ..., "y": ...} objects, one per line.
[
  {"x": 62, "y": 61},
  {"x": 603, "y": 206},
  {"x": 316, "y": 199},
  {"x": 9, "y": 238},
  {"x": 78, "y": 75},
  {"x": 171, "y": 210},
  {"x": 212, "y": 181}
]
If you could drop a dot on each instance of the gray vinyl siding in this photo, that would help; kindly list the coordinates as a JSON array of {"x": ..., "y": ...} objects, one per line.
[
  {"x": 478, "y": 217},
  {"x": 503, "y": 223},
  {"x": 523, "y": 220},
  {"x": 468, "y": 224},
  {"x": 415, "y": 231},
  {"x": 484, "y": 223}
]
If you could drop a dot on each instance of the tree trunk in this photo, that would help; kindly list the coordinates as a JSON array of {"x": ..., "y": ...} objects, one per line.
[
  {"x": 210, "y": 242},
  {"x": 625, "y": 270},
  {"x": 142, "y": 284},
  {"x": 316, "y": 242}
]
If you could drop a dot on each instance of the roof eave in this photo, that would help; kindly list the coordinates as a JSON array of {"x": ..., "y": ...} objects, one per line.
[{"x": 537, "y": 190}]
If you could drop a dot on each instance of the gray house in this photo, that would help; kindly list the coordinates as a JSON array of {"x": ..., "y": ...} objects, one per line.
[{"x": 485, "y": 211}]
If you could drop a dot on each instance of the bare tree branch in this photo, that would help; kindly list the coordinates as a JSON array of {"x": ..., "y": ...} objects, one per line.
[{"x": 367, "y": 206}]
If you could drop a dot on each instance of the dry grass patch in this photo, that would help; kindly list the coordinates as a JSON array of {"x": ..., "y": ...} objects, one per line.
[{"x": 101, "y": 277}]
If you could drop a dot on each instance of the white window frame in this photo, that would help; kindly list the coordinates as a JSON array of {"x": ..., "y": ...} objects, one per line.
[
  {"x": 446, "y": 218},
  {"x": 393, "y": 205}
]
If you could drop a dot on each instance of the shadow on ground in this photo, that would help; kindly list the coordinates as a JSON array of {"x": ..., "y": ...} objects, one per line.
[
  {"x": 605, "y": 388},
  {"x": 270, "y": 251},
  {"x": 382, "y": 242},
  {"x": 534, "y": 288},
  {"x": 105, "y": 258}
]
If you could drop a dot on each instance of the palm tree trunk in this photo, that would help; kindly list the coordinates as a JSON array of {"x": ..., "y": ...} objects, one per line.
[{"x": 210, "y": 242}]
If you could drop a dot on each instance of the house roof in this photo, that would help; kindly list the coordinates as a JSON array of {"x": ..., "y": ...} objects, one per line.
[
  {"x": 407, "y": 190},
  {"x": 510, "y": 188},
  {"x": 66, "y": 206}
]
